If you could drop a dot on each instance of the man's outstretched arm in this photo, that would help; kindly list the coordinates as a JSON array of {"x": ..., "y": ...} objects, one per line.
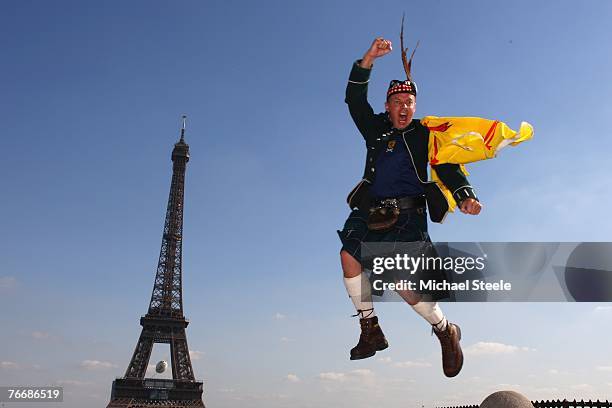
[{"x": 357, "y": 87}]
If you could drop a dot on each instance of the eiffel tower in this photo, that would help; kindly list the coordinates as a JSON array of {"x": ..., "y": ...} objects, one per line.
[{"x": 164, "y": 322}]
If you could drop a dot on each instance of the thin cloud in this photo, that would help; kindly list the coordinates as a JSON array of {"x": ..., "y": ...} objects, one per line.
[
  {"x": 7, "y": 282},
  {"x": 331, "y": 376},
  {"x": 384, "y": 359},
  {"x": 96, "y": 365},
  {"x": 412, "y": 364},
  {"x": 489, "y": 348},
  {"x": 196, "y": 355},
  {"x": 508, "y": 386},
  {"x": 603, "y": 308},
  {"x": 360, "y": 373},
  {"x": 40, "y": 335},
  {"x": 604, "y": 368},
  {"x": 8, "y": 365},
  {"x": 286, "y": 339},
  {"x": 293, "y": 378},
  {"x": 582, "y": 387},
  {"x": 279, "y": 316}
]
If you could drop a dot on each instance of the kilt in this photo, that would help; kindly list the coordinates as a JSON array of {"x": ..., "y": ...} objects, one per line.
[{"x": 410, "y": 227}]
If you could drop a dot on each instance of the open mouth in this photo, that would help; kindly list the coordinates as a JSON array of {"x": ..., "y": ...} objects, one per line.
[{"x": 403, "y": 117}]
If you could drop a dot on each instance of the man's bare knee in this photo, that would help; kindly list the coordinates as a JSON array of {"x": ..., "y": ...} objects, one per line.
[{"x": 350, "y": 266}]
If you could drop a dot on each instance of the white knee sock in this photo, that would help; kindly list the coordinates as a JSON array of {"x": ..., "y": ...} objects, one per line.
[
  {"x": 432, "y": 313},
  {"x": 359, "y": 291}
]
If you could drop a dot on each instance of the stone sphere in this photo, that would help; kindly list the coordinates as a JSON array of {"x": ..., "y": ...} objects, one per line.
[
  {"x": 161, "y": 367},
  {"x": 506, "y": 399}
]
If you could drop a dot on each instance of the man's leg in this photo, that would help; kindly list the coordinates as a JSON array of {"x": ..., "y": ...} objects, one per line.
[
  {"x": 449, "y": 335},
  {"x": 372, "y": 338},
  {"x": 430, "y": 311},
  {"x": 357, "y": 285}
]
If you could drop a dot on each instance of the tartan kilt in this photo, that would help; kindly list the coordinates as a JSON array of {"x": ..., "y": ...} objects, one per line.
[{"x": 410, "y": 227}]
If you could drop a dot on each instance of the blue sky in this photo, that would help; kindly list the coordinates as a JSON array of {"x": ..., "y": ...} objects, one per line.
[{"x": 90, "y": 100}]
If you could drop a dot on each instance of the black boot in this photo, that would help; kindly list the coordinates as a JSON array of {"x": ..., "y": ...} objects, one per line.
[{"x": 372, "y": 339}]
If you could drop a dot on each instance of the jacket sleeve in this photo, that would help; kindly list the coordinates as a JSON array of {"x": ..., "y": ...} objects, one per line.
[
  {"x": 357, "y": 100},
  {"x": 454, "y": 179}
]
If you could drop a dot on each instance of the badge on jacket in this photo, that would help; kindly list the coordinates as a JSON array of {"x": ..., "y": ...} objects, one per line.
[{"x": 390, "y": 146}]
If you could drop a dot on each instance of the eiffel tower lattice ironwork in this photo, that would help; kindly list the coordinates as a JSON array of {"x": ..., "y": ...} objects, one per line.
[{"x": 164, "y": 321}]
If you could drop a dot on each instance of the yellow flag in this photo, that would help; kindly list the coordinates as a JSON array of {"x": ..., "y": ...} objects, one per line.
[{"x": 461, "y": 140}]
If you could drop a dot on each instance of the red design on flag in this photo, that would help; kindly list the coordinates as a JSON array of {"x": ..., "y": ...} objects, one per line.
[
  {"x": 434, "y": 159},
  {"x": 489, "y": 137},
  {"x": 440, "y": 128}
]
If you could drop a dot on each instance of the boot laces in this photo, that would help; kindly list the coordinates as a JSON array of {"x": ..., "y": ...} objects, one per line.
[
  {"x": 361, "y": 313},
  {"x": 434, "y": 328}
]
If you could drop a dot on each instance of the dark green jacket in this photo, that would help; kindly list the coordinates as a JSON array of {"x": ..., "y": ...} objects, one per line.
[{"x": 377, "y": 129}]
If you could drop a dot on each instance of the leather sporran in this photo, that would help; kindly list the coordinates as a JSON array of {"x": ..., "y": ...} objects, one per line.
[{"x": 384, "y": 216}]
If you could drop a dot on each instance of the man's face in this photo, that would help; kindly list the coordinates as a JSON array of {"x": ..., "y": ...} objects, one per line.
[{"x": 401, "y": 107}]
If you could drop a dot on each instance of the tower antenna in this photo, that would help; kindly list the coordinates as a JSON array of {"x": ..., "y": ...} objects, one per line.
[{"x": 184, "y": 117}]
